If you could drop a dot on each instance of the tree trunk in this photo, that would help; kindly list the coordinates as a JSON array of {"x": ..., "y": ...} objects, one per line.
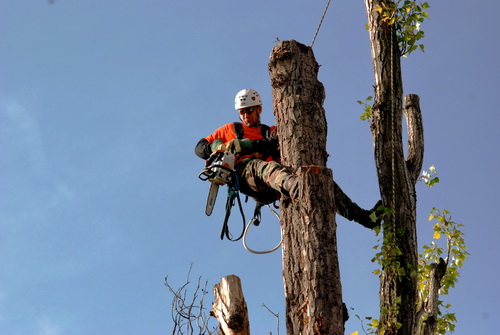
[
  {"x": 310, "y": 263},
  {"x": 230, "y": 307},
  {"x": 397, "y": 177},
  {"x": 431, "y": 307}
]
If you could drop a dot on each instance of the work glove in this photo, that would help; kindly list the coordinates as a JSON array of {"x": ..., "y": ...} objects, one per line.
[
  {"x": 217, "y": 145},
  {"x": 266, "y": 146},
  {"x": 237, "y": 146}
]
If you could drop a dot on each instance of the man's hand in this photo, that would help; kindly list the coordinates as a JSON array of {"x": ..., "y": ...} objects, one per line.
[
  {"x": 239, "y": 146},
  {"x": 217, "y": 145}
]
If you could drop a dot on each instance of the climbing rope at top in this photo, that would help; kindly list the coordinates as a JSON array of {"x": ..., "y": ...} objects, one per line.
[{"x": 320, "y": 23}]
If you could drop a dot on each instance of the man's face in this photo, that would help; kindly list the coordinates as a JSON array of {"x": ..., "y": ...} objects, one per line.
[{"x": 250, "y": 116}]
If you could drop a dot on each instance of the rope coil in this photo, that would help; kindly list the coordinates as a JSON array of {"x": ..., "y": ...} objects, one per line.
[{"x": 266, "y": 251}]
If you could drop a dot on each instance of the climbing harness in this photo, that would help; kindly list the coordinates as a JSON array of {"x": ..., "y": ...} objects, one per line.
[
  {"x": 219, "y": 174},
  {"x": 219, "y": 170}
]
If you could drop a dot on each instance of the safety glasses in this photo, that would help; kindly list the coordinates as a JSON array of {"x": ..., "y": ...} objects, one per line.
[{"x": 248, "y": 110}]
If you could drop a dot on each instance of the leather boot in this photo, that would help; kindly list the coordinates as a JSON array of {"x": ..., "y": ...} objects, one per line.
[
  {"x": 351, "y": 211},
  {"x": 362, "y": 216}
]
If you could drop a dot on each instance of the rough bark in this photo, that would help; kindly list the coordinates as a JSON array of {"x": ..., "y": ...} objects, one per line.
[
  {"x": 415, "y": 127},
  {"x": 431, "y": 306},
  {"x": 230, "y": 307},
  {"x": 310, "y": 263},
  {"x": 397, "y": 177}
]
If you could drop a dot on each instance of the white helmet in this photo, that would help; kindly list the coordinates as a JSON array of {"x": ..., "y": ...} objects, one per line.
[{"x": 247, "y": 98}]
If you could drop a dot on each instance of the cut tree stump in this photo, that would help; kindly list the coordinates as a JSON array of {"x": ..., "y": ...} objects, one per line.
[{"x": 230, "y": 308}]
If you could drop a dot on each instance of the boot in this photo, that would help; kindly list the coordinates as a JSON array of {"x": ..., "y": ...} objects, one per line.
[
  {"x": 352, "y": 212},
  {"x": 362, "y": 216}
]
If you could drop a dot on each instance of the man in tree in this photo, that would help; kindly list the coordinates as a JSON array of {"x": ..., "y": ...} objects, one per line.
[{"x": 261, "y": 176}]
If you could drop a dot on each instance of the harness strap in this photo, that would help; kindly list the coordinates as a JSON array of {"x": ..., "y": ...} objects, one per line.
[
  {"x": 257, "y": 215},
  {"x": 238, "y": 130},
  {"x": 240, "y": 134},
  {"x": 265, "y": 131},
  {"x": 233, "y": 193}
]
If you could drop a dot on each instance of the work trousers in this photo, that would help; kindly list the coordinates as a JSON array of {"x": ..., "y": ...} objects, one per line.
[{"x": 265, "y": 181}]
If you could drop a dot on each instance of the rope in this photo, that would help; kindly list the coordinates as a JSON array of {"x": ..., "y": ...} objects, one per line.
[
  {"x": 320, "y": 23},
  {"x": 393, "y": 123},
  {"x": 260, "y": 252}
]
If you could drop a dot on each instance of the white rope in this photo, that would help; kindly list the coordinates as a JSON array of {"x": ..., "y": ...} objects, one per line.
[{"x": 266, "y": 251}]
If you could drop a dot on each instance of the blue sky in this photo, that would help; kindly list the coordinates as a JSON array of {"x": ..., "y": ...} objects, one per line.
[{"x": 102, "y": 102}]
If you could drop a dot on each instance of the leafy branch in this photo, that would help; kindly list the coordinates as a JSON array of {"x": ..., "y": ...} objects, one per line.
[
  {"x": 430, "y": 178},
  {"x": 406, "y": 16},
  {"x": 449, "y": 258},
  {"x": 368, "y": 109}
]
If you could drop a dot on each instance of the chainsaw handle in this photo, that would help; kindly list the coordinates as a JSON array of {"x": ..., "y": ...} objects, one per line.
[
  {"x": 214, "y": 156},
  {"x": 206, "y": 174},
  {"x": 209, "y": 172}
]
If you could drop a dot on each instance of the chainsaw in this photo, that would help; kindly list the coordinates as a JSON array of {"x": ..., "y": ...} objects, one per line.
[{"x": 219, "y": 170}]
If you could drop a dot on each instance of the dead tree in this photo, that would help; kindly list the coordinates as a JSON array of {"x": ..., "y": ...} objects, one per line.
[
  {"x": 230, "y": 307},
  {"x": 397, "y": 176},
  {"x": 310, "y": 263}
]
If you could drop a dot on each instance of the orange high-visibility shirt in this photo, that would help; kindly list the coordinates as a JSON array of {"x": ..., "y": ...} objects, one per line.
[{"x": 226, "y": 133}]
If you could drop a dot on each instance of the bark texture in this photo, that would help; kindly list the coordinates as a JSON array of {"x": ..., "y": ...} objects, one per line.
[
  {"x": 397, "y": 176},
  {"x": 310, "y": 262},
  {"x": 431, "y": 306},
  {"x": 230, "y": 307},
  {"x": 415, "y": 127}
]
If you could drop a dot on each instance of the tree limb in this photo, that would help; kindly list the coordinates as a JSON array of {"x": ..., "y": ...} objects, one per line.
[{"x": 415, "y": 156}]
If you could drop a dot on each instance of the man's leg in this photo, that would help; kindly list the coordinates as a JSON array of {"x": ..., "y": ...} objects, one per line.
[
  {"x": 351, "y": 211},
  {"x": 344, "y": 205},
  {"x": 261, "y": 175}
]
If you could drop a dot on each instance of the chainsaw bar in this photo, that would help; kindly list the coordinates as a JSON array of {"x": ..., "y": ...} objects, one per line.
[{"x": 212, "y": 196}]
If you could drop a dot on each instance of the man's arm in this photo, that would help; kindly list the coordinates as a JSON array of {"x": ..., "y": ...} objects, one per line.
[
  {"x": 203, "y": 149},
  {"x": 215, "y": 141},
  {"x": 267, "y": 147}
]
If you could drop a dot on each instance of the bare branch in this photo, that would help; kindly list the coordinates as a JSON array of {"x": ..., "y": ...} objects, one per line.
[
  {"x": 188, "y": 312},
  {"x": 277, "y": 316}
]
